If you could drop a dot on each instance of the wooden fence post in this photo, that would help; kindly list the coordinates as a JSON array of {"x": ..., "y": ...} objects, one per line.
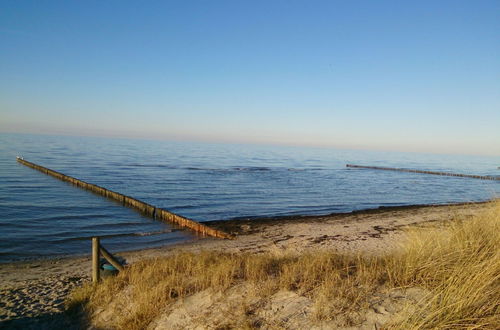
[{"x": 95, "y": 259}]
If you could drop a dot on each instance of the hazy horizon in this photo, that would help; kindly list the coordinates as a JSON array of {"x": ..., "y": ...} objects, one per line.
[
  {"x": 414, "y": 77},
  {"x": 250, "y": 144}
]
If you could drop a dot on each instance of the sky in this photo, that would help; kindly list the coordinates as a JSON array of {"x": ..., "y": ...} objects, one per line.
[{"x": 418, "y": 76}]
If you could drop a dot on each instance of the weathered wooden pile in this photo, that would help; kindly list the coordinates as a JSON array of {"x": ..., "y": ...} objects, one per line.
[
  {"x": 145, "y": 208},
  {"x": 482, "y": 177}
]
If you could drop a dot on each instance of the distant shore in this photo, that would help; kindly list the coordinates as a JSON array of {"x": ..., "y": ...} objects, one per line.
[{"x": 38, "y": 287}]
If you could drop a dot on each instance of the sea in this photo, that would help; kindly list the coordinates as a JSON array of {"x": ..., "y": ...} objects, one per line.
[{"x": 42, "y": 217}]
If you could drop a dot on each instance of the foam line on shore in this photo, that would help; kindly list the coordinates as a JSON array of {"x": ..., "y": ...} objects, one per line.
[{"x": 145, "y": 208}]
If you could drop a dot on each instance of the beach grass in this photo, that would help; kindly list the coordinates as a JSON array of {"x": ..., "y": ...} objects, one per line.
[
  {"x": 457, "y": 263},
  {"x": 460, "y": 264}
]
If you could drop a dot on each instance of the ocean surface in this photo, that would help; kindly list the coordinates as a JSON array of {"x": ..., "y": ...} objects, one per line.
[{"x": 42, "y": 217}]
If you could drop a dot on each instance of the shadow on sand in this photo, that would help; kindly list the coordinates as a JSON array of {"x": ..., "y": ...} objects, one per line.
[{"x": 62, "y": 320}]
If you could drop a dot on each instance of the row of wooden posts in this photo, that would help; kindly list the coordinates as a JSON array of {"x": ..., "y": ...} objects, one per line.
[
  {"x": 145, "y": 208},
  {"x": 482, "y": 177}
]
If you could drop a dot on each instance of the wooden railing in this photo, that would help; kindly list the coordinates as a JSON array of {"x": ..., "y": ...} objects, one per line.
[{"x": 97, "y": 250}]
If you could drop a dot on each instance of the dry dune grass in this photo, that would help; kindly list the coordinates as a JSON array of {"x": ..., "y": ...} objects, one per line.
[
  {"x": 457, "y": 262},
  {"x": 460, "y": 264}
]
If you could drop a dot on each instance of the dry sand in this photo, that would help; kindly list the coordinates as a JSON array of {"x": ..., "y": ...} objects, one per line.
[{"x": 32, "y": 293}]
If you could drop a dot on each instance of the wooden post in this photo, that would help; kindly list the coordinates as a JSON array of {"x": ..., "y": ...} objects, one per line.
[{"x": 95, "y": 259}]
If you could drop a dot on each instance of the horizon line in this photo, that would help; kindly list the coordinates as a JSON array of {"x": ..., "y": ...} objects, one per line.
[{"x": 192, "y": 139}]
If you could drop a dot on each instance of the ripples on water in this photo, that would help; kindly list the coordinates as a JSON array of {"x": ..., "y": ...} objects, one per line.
[{"x": 42, "y": 216}]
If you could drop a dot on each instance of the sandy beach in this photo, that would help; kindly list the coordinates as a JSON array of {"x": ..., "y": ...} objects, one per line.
[{"x": 32, "y": 293}]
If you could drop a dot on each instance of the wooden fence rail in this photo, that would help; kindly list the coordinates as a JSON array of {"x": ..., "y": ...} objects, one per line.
[
  {"x": 482, "y": 177},
  {"x": 97, "y": 250},
  {"x": 145, "y": 208}
]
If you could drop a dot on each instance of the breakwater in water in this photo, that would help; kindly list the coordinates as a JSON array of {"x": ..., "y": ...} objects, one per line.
[
  {"x": 147, "y": 209},
  {"x": 481, "y": 177},
  {"x": 45, "y": 218}
]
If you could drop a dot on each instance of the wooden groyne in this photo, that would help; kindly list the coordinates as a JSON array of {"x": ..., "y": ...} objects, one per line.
[
  {"x": 145, "y": 208},
  {"x": 482, "y": 177}
]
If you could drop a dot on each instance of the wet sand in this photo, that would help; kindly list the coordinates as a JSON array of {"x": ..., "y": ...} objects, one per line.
[{"x": 32, "y": 293}]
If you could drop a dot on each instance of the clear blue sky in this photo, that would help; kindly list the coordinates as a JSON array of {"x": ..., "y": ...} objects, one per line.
[{"x": 389, "y": 75}]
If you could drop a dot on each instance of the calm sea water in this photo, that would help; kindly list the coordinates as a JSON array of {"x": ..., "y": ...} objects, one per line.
[{"x": 44, "y": 217}]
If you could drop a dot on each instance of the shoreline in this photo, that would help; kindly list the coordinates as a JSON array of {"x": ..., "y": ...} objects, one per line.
[
  {"x": 235, "y": 223},
  {"x": 38, "y": 287},
  {"x": 255, "y": 221}
]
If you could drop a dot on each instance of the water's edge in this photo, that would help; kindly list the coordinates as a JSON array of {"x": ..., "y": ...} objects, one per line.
[
  {"x": 42, "y": 216},
  {"x": 255, "y": 221}
]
